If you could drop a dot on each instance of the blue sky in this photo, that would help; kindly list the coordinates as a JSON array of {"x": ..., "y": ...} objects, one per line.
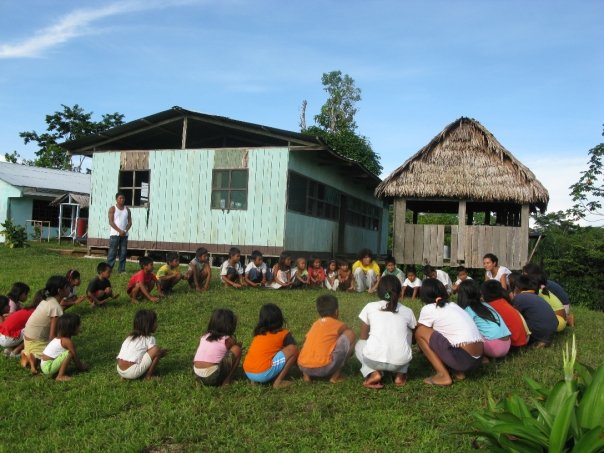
[{"x": 531, "y": 72}]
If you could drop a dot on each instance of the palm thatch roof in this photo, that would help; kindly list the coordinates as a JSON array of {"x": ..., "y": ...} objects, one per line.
[{"x": 465, "y": 162}]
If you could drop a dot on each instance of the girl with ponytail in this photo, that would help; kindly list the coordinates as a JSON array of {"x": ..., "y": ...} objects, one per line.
[
  {"x": 386, "y": 334},
  {"x": 446, "y": 335}
]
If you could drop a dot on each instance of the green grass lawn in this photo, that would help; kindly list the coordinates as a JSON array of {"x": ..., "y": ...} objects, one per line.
[{"x": 98, "y": 412}]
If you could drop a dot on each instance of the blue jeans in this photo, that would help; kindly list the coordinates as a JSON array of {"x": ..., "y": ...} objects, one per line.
[{"x": 118, "y": 243}]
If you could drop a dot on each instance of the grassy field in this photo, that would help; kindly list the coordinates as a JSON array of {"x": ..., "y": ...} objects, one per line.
[{"x": 98, "y": 412}]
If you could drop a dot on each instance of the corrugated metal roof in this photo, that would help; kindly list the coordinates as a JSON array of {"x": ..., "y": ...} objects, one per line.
[{"x": 44, "y": 178}]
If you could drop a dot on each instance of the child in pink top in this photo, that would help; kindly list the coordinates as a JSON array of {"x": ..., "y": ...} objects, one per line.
[{"x": 218, "y": 354}]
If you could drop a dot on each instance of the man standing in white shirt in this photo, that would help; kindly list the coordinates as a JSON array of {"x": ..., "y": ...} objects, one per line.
[{"x": 120, "y": 221}]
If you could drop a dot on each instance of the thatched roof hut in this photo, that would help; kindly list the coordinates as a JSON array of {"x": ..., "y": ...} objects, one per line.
[
  {"x": 465, "y": 162},
  {"x": 465, "y": 171}
]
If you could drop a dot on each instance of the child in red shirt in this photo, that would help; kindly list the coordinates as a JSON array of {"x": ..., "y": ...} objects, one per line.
[
  {"x": 141, "y": 284},
  {"x": 316, "y": 273},
  {"x": 11, "y": 330},
  {"x": 493, "y": 294}
]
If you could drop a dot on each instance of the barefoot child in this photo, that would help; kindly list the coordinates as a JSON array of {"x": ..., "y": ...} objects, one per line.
[
  {"x": 273, "y": 350},
  {"x": 386, "y": 333},
  {"x": 346, "y": 282},
  {"x": 169, "y": 274},
  {"x": 412, "y": 284},
  {"x": 391, "y": 269},
  {"x": 257, "y": 274},
  {"x": 11, "y": 330},
  {"x": 199, "y": 274},
  {"x": 331, "y": 276},
  {"x": 493, "y": 293},
  {"x": 17, "y": 295},
  {"x": 99, "y": 289},
  {"x": 282, "y": 273},
  {"x": 74, "y": 279},
  {"x": 328, "y": 345},
  {"x": 300, "y": 274},
  {"x": 366, "y": 272},
  {"x": 231, "y": 271},
  {"x": 142, "y": 283},
  {"x": 218, "y": 353},
  {"x": 60, "y": 352},
  {"x": 42, "y": 324},
  {"x": 140, "y": 354},
  {"x": 446, "y": 335},
  {"x": 316, "y": 274}
]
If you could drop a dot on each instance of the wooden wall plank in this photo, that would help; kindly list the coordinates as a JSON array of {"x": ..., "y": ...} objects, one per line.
[
  {"x": 454, "y": 241},
  {"x": 440, "y": 244},
  {"x": 426, "y": 244},
  {"x": 418, "y": 244},
  {"x": 398, "y": 230},
  {"x": 409, "y": 244},
  {"x": 461, "y": 222},
  {"x": 524, "y": 234}
]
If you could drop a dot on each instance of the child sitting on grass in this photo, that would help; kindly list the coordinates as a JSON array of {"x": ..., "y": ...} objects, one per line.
[
  {"x": 99, "y": 289},
  {"x": 391, "y": 269},
  {"x": 257, "y": 274},
  {"x": 328, "y": 345},
  {"x": 60, "y": 352},
  {"x": 331, "y": 276},
  {"x": 316, "y": 274},
  {"x": 17, "y": 295},
  {"x": 539, "y": 316},
  {"x": 218, "y": 353},
  {"x": 446, "y": 335},
  {"x": 366, "y": 272},
  {"x": 231, "y": 271},
  {"x": 412, "y": 284},
  {"x": 41, "y": 326},
  {"x": 74, "y": 279},
  {"x": 493, "y": 293},
  {"x": 169, "y": 274},
  {"x": 462, "y": 276},
  {"x": 11, "y": 330},
  {"x": 142, "y": 283},
  {"x": 386, "y": 334},
  {"x": 495, "y": 333},
  {"x": 300, "y": 277},
  {"x": 345, "y": 278},
  {"x": 139, "y": 354},
  {"x": 199, "y": 274},
  {"x": 273, "y": 350},
  {"x": 282, "y": 273}
]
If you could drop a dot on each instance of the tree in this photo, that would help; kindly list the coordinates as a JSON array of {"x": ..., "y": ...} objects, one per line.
[
  {"x": 335, "y": 124},
  {"x": 587, "y": 193},
  {"x": 69, "y": 124}
]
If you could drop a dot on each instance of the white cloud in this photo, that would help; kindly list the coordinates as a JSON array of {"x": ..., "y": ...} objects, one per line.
[{"x": 77, "y": 23}]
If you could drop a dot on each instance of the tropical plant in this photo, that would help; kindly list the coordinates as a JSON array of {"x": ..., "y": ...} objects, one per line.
[
  {"x": 569, "y": 417},
  {"x": 15, "y": 236}
]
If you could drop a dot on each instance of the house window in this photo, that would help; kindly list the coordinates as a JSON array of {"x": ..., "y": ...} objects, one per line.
[
  {"x": 229, "y": 189},
  {"x": 134, "y": 184},
  {"x": 312, "y": 198},
  {"x": 41, "y": 210},
  {"x": 363, "y": 215}
]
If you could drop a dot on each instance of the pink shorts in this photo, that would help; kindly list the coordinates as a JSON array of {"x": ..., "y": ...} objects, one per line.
[{"x": 497, "y": 348}]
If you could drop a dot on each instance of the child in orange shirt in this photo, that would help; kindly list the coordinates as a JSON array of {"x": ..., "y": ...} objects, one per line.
[
  {"x": 328, "y": 344},
  {"x": 273, "y": 350}
]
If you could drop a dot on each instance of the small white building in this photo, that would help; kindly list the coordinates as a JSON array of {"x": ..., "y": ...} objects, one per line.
[{"x": 26, "y": 194}]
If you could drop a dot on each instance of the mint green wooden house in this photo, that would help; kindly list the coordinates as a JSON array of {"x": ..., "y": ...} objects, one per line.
[{"x": 194, "y": 180}]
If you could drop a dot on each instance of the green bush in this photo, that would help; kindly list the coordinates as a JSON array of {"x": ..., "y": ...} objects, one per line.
[
  {"x": 569, "y": 417},
  {"x": 15, "y": 236}
]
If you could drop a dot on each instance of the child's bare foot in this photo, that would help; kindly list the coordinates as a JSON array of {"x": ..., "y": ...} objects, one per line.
[
  {"x": 337, "y": 379},
  {"x": 570, "y": 320},
  {"x": 63, "y": 378},
  {"x": 374, "y": 381},
  {"x": 24, "y": 362},
  {"x": 33, "y": 370},
  {"x": 306, "y": 377},
  {"x": 439, "y": 380},
  {"x": 459, "y": 375},
  {"x": 282, "y": 384},
  {"x": 151, "y": 378},
  {"x": 485, "y": 360},
  {"x": 400, "y": 379},
  {"x": 540, "y": 345},
  {"x": 123, "y": 379}
]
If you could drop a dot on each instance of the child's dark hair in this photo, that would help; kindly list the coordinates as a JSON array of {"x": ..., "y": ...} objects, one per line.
[
  {"x": 171, "y": 256},
  {"x": 334, "y": 261},
  {"x": 365, "y": 252},
  {"x": 223, "y": 323},
  {"x": 270, "y": 319},
  {"x": 17, "y": 290},
  {"x": 233, "y": 251},
  {"x": 513, "y": 279},
  {"x": 282, "y": 258},
  {"x": 67, "y": 325},
  {"x": 327, "y": 305},
  {"x": 526, "y": 283},
  {"x": 144, "y": 261},
  {"x": 256, "y": 254},
  {"x": 538, "y": 275},
  {"x": 492, "y": 257},
  {"x": 389, "y": 289},
  {"x": 144, "y": 322},
  {"x": 531, "y": 269},
  {"x": 54, "y": 284},
  {"x": 433, "y": 291},
  {"x": 102, "y": 267},
  {"x": 410, "y": 270},
  {"x": 343, "y": 262},
  {"x": 492, "y": 290},
  {"x": 38, "y": 297},
  {"x": 4, "y": 305},
  {"x": 390, "y": 260},
  {"x": 469, "y": 296},
  {"x": 72, "y": 274},
  {"x": 461, "y": 269},
  {"x": 428, "y": 270},
  {"x": 201, "y": 251}
]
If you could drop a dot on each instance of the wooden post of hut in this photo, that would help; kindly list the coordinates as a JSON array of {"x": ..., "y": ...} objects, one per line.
[{"x": 465, "y": 171}]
